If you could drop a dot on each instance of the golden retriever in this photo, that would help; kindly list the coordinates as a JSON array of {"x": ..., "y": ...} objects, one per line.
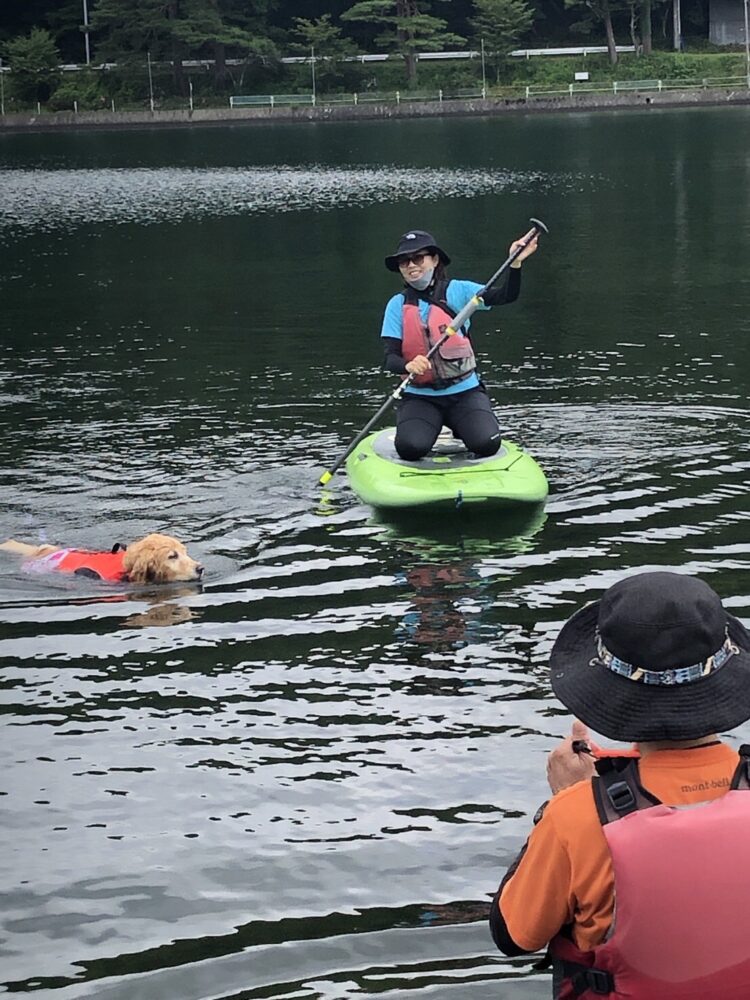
[{"x": 153, "y": 559}]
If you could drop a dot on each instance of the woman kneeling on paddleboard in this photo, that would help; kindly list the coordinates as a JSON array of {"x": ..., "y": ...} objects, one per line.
[{"x": 446, "y": 389}]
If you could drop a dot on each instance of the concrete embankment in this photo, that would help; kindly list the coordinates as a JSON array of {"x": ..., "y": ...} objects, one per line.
[{"x": 368, "y": 112}]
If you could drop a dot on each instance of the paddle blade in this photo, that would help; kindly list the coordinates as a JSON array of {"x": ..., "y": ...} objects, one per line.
[{"x": 325, "y": 478}]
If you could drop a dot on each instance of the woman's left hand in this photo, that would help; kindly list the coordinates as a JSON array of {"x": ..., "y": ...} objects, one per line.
[{"x": 527, "y": 251}]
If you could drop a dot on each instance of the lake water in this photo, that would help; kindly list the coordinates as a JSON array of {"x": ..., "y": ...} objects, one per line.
[{"x": 306, "y": 779}]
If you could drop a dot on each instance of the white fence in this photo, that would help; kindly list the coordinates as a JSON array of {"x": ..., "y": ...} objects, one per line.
[
  {"x": 467, "y": 94},
  {"x": 368, "y": 97},
  {"x": 625, "y": 86}
]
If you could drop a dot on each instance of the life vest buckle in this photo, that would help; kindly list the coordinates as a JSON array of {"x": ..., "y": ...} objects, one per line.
[
  {"x": 592, "y": 981},
  {"x": 621, "y": 797}
]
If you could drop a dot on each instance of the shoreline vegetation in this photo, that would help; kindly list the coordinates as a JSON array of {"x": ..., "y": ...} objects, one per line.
[
  {"x": 137, "y": 86},
  {"x": 648, "y": 96},
  {"x": 147, "y": 62}
]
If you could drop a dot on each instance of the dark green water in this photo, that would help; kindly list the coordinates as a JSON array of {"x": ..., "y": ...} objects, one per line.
[{"x": 305, "y": 780}]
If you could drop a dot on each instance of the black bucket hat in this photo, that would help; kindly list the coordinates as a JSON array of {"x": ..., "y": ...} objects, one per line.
[
  {"x": 657, "y": 658},
  {"x": 413, "y": 241}
]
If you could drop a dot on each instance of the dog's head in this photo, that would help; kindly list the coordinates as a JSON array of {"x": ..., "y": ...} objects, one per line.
[{"x": 160, "y": 559}]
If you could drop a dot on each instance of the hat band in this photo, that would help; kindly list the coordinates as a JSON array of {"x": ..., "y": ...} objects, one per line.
[{"x": 663, "y": 678}]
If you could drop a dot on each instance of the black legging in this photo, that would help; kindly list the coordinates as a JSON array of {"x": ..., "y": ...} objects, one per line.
[{"x": 468, "y": 414}]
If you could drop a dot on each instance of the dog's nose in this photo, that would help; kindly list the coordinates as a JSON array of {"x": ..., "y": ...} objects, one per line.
[{"x": 199, "y": 569}]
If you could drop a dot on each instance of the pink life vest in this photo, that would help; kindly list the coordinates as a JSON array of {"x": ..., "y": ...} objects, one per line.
[
  {"x": 682, "y": 888},
  {"x": 455, "y": 359},
  {"x": 105, "y": 565}
]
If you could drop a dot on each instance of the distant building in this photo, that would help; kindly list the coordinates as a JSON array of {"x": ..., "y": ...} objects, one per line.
[{"x": 726, "y": 22}]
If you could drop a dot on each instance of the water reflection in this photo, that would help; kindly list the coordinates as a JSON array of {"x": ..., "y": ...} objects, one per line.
[
  {"x": 305, "y": 779},
  {"x": 442, "y": 556}
]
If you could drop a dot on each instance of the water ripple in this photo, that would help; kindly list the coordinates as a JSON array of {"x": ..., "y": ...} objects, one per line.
[{"x": 43, "y": 200}]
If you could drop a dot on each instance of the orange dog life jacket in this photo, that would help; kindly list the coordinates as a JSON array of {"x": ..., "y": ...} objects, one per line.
[{"x": 106, "y": 565}]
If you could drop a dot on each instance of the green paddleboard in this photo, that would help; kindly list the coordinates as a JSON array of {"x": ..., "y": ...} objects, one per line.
[{"x": 449, "y": 476}]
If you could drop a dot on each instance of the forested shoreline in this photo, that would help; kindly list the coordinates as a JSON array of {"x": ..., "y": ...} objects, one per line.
[{"x": 164, "y": 51}]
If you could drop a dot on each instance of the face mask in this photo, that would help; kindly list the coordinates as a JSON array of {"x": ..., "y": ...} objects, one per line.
[{"x": 421, "y": 283}]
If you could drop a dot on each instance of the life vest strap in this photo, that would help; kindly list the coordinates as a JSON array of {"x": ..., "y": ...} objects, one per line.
[
  {"x": 580, "y": 978},
  {"x": 741, "y": 777},
  {"x": 584, "y": 979},
  {"x": 443, "y": 383},
  {"x": 617, "y": 789},
  {"x": 437, "y": 297}
]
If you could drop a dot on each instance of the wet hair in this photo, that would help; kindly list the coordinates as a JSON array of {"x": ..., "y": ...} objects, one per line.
[{"x": 440, "y": 272}]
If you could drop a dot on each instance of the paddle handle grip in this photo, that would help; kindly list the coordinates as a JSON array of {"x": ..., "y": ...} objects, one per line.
[
  {"x": 475, "y": 301},
  {"x": 599, "y": 753}
]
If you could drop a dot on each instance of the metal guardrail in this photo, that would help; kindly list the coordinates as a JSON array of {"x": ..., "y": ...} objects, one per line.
[
  {"x": 362, "y": 57},
  {"x": 581, "y": 50}
]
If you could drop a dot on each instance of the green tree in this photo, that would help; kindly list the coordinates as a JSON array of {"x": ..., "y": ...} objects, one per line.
[
  {"x": 206, "y": 28},
  {"x": 597, "y": 11},
  {"x": 325, "y": 40},
  {"x": 239, "y": 30},
  {"x": 405, "y": 28},
  {"x": 34, "y": 61},
  {"x": 500, "y": 24},
  {"x": 174, "y": 30}
]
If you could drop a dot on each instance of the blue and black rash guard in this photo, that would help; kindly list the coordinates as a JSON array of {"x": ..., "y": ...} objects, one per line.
[{"x": 457, "y": 295}]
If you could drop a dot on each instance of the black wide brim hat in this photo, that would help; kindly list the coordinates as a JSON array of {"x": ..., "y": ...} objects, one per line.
[
  {"x": 626, "y": 709},
  {"x": 412, "y": 242}
]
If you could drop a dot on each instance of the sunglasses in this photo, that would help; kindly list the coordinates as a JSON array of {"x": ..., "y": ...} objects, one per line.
[{"x": 415, "y": 258}]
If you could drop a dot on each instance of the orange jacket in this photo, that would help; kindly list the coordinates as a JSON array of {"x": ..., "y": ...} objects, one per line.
[{"x": 565, "y": 876}]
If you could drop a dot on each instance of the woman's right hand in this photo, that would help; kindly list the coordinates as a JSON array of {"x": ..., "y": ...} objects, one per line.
[{"x": 418, "y": 365}]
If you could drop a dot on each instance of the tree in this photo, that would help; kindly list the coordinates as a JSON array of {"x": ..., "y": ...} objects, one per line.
[
  {"x": 500, "y": 24},
  {"x": 646, "y": 27},
  {"x": 597, "y": 10},
  {"x": 34, "y": 60},
  {"x": 405, "y": 29},
  {"x": 324, "y": 39},
  {"x": 172, "y": 30},
  {"x": 245, "y": 35}
]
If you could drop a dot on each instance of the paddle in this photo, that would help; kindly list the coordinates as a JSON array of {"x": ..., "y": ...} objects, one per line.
[{"x": 468, "y": 310}]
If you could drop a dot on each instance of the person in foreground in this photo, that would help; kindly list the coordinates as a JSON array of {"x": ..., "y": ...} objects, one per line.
[
  {"x": 446, "y": 389},
  {"x": 635, "y": 898}
]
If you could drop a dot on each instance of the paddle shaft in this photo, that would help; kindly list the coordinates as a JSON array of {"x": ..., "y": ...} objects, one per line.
[{"x": 456, "y": 323}]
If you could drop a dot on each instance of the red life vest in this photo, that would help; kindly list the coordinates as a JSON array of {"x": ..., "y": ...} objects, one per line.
[
  {"x": 682, "y": 887},
  {"x": 452, "y": 362},
  {"x": 106, "y": 565}
]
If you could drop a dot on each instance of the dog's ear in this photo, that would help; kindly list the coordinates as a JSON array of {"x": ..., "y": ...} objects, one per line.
[{"x": 141, "y": 563}]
